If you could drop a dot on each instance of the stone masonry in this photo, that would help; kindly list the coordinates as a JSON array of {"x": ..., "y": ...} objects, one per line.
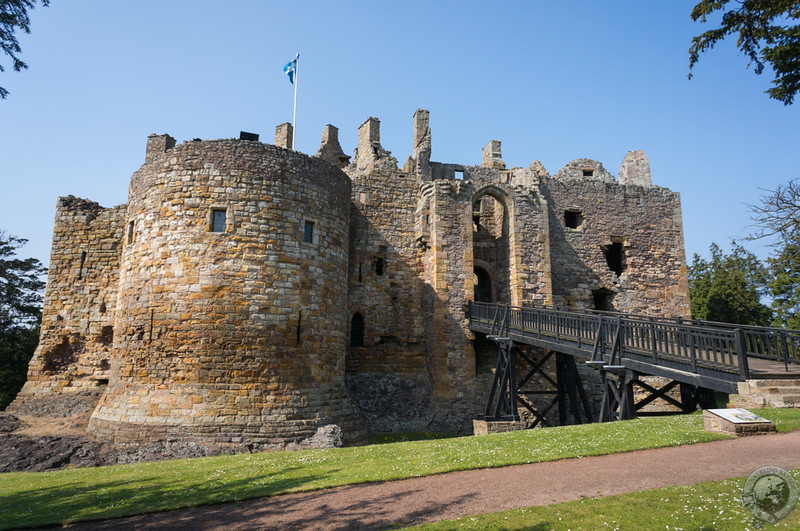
[{"x": 251, "y": 294}]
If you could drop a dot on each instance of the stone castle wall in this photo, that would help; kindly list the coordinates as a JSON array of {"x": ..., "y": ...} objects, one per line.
[
  {"x": 220, "y": 323},
  {"x": 638, "y": 225},
  {"x": 234, "y": 332}
]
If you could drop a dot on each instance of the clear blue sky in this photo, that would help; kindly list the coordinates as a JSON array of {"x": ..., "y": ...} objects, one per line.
[{"x": 554, "y": 81}]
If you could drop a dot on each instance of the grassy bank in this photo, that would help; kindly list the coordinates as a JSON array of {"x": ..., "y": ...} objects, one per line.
[
  {"x": 90, "y": 493},
  {"x": 715, "y": 505}
]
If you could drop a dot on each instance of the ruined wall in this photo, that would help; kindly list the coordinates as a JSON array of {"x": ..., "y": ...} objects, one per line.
[
  {"x": 384, "y": 287},
  {"x": 637, "y": 227},
  {"x": 231, "y": 325},
  {"x": 74, "y": 349},
  {"x": 245, "y": 284}
]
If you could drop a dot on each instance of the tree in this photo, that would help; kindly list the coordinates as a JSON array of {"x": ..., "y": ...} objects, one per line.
[
  {"x": 728, "y": 288},
  {"x": 778, "y": 217},
  {"x": 20, "y": 314},
  {"x": 784, "y": 285},
  {"x": 767, "y": 34},
  {"x": 13, "y": 15}
]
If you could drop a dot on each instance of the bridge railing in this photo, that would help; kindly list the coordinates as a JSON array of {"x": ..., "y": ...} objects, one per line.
[
  {"x": 695, "y": 346},
  {"x": 673, "y": 344}
]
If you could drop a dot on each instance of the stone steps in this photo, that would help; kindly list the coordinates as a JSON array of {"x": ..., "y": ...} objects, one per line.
[{"x": 767, "y": 393}]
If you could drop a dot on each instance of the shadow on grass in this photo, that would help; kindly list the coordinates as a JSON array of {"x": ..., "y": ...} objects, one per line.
[
  {"x": 113, "y": 498},
  {"x": 348, "y": 508},
  {"x": 387, "y": 438}
]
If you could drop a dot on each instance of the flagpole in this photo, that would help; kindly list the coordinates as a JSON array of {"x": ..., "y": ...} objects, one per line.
[{"x": 294, "y": 111}]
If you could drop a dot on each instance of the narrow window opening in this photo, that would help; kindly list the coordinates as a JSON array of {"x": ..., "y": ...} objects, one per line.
[
  {"x": 379, "y": 265},
  {"x": 219, "y": 219},
  {"x": 102, "y": 382},
  {"x": 615, "y": 257},
  {"x": 359, "y": 272},
  {"x": 103, "y": 308},
  {"x": 588, "y": 173},
  {"x": 83, "y": 263},
  {"x": 299, "y": 324},
  {"x": 131, "y": 232},
  {"x": 308, "y": 232},
  {"x": 105, "y": 365},
  {"x": 573, "y": 218},
  {"x": 357, "y": 330}
]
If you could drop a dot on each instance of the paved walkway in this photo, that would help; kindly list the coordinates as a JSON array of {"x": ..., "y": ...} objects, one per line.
[{"x": 458, "y": 494}]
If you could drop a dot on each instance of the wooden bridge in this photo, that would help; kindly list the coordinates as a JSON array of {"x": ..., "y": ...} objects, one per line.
[{"x": 701, "y": 357}]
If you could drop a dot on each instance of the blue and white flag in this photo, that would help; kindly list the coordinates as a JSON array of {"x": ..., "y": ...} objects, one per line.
[{"x": 291, "y": 68}]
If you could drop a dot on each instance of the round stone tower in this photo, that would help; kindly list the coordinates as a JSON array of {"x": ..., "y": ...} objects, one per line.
[{"x": 231, "y": 313}]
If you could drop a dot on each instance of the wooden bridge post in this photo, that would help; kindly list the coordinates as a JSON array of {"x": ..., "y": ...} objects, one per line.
[
  {"x": 741, "y": 352},
  {"x": 785, "y": 346}
]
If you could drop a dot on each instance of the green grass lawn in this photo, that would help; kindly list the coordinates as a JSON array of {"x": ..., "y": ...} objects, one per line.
[
  {"x": 68, "y": 495},
  {"x": 716, "y": 505}
]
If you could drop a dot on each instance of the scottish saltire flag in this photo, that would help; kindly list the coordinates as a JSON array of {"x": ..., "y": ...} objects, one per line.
[{"x": 291, "y": 68}]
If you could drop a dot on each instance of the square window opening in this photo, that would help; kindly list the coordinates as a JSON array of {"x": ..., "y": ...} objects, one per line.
[
  {"x": 588, "y": 172},
  {"x": 573, "y": 218},
  {"x": 219, "y": 220},
  {"x": 308, "y": 232}
]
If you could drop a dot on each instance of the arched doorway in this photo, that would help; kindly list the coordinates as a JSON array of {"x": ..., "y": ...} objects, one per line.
[
  {"x": 357, "y": 330},
  {"x": 490, "y": 247},
  {"x": 483, "y": 285}
]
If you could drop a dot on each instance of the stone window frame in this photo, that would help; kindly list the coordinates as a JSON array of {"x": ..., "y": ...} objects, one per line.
[
  {"x": 315, "y": 231},
  {"x": 587, "y": 172},
  {"x": 229, "y": 225}
]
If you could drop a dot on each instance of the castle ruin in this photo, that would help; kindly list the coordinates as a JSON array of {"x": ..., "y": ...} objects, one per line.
[{"x": 248, "y": 293}]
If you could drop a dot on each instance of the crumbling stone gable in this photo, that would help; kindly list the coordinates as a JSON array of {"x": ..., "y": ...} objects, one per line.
[
  {"x": 74, "y": 352},
  {"x": 641, "y": 223}
]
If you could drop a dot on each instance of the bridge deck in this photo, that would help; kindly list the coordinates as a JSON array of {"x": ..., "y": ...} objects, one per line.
[{"x": 711, "y": 355}]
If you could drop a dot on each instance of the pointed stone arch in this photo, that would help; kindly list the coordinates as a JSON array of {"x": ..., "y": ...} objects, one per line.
[{"x": 492, "y": 225}]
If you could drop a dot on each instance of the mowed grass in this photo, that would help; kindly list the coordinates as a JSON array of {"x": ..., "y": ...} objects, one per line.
[
  {"x": 715, "y": 505},
  {"x": 29, "y": 499}
]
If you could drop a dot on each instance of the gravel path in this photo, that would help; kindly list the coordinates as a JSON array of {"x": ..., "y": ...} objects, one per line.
[{"x": 429, "y": 499}]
